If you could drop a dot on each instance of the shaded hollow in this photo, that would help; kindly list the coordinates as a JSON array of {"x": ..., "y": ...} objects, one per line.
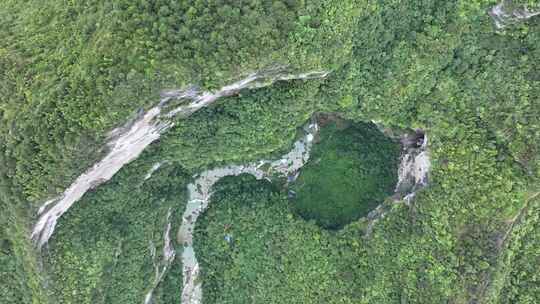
[{"x": 353, "y": 168}]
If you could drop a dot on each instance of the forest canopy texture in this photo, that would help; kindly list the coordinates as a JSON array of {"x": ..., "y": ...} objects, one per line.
[{"x": 72, "y": 71}]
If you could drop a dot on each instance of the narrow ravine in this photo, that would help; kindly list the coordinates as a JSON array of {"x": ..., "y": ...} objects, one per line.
[
  {"x": 154, "y": 168},
  {"x": 127, "y": 143},
  {"x": 161, "y": 267},
  {"x": 200, "y": 194}
]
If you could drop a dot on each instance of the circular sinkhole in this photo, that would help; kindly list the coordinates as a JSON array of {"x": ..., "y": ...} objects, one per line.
[{"x": 352, "y": 169}]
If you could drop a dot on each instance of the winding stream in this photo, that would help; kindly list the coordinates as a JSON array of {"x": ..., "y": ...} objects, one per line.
[
  {"x": 200, "y": 193},
  {"x": 412, "y": 176},
  {"x": 127, "y": 143}
]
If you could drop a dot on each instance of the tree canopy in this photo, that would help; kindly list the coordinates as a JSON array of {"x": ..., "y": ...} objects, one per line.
[{"x": 74, "y": 70}]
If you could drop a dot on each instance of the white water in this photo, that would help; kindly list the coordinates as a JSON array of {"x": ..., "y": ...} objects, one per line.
[
  {"x": 413, "y": 171},
  {"x": 168, "y": 257},
  {"x": 128, "y": 142},
  {"x": 200, "y": 193},
  {"x": 504, "y": 15}
]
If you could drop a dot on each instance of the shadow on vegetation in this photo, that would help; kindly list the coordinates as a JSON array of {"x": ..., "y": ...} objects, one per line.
[{"x": 353, "y": 168}]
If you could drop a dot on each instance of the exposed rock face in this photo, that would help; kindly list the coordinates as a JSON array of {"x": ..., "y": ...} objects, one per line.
[
  {"x": 415, "y": 161},
  {"x": 413, "y": 173},
  {"x": 125, "y": 148},
  {"x": 412, "y": 176},
  {"x": 154, "y": 168},
  {"x": 127, "y": 143},
  {"x": 414, "y": 166},
  {"x": 507, "y": 12}
]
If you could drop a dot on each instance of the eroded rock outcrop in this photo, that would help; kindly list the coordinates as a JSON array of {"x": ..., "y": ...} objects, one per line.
[
  {"x": 126, "y": 143},
  {"x": 413, "y": 173},
  {"x": 509, "y": 12}
]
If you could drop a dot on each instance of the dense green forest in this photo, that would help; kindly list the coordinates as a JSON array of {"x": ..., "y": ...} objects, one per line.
[
  {"x": 115, "y": 228},
  {"x": 353, "y": 168},
  {"x": 273, "y": 256},
  {"x": 73, "y": 70}
]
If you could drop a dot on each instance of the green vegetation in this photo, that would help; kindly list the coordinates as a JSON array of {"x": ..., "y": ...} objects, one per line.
[
  {"x": 530, "y": 4},
  {"x": 114, "y": 230},
  {"x": 20, "y": 281},
  {"x": 243, "y": 128},
  {"x": 272, "y": 257},
  {"x": 72, "y": 70},
  {"x": 77, "y": 69},
  {"x": 514, "y": 278},
  {"x": 523, "y": 283},
  {"x": 351, "y": 171}
]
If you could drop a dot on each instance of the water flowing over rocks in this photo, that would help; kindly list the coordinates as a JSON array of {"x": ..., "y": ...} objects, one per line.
[
  {"x": 126, "y": 143},
  {"x": 412, "y": 176},
  {"x": 199, "y": 197}
]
